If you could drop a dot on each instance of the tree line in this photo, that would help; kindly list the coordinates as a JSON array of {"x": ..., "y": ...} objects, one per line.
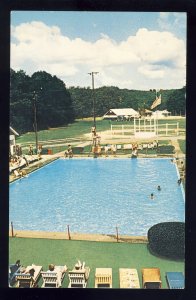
[
  {"x": 57, "y": 105},
  {"x": 43, "y": 92}
]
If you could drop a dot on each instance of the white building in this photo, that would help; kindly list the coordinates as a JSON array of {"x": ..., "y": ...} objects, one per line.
[
  {"x": 159, "y": 114},
  {"x": 121, "y": 114},
  {"x": 13, "y": 135}
]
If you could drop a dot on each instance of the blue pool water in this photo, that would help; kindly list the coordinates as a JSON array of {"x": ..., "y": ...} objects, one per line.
[{"x": 96, "y": 195}]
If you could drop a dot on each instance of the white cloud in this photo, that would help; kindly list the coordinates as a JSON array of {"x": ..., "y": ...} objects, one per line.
[
  {"x": 172, "y": 20},
  {"x": 139, "y": 62},
  {"x": 151, "y": 71}
]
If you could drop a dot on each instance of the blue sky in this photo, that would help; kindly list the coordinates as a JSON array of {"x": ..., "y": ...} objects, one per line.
[{"x": 129, "y": 49}]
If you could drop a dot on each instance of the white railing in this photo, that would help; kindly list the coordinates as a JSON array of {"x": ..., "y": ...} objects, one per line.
[{"x": 144, "y": 126}]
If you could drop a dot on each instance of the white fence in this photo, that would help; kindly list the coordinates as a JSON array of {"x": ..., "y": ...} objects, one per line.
[{"x": 145, "y": 127}]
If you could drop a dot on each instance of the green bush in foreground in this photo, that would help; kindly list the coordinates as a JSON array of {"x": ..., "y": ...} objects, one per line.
[{"x": 167, "y": 239}]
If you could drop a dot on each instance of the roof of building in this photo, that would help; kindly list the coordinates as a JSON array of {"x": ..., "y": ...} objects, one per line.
[
  {"x": 122, "y": 112},
  {"x": 14, "y": 131}
]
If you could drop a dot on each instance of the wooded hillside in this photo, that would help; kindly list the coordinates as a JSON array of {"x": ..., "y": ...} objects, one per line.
[{"x": 57, "y": 105}]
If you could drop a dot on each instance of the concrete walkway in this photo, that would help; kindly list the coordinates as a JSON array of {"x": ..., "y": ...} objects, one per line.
[{"x": 175, "y": 143}]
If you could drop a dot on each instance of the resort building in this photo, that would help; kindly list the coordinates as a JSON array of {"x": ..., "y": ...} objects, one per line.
[
  {"x": 13, "y": 134},
  {"x": 121, "y": 114},
  {"x": 159, "y": 114}
]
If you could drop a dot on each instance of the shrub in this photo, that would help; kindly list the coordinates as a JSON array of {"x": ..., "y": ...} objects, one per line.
[
  {"x": 166, "y": 149},
  {"x": 167, "y": 239}
]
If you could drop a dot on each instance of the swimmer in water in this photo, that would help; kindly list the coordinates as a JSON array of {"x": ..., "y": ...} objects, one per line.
[
  {"x": 158, "y": 188},
  {"x": 152, "y": 196}
]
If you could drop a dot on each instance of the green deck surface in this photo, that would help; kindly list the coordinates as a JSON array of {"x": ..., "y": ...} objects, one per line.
[{"x": 95, "y": 254}]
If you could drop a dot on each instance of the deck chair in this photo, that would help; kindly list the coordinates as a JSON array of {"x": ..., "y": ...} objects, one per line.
[
  {"x": 175, "y": 280},
  {"x": 150, "y": 146},
  {"x": 26, "y": 280},
  {"x": 50, "y": 279},
  {"x": 103, "y": 278},
  {"x": 140, "y": 147},
  {"x": 16, "y": 173},
  {"x": 79, "y": 278},
  {"x": 13, "y": 270},
  {"x": 128, "y": 147},
  {"x": 151, "y": 278},
  {"x": 129, "y": 278}
]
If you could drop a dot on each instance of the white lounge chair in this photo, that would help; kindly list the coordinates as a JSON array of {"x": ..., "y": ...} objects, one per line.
[
  {"x": 128, "y": 146},
  {"x": 26, "y": 280},
  {"x": 50, "y": 279},
  {"x": 103, "y": 278},
  {"x": 145, "y": 146},
  {"x": 129, "y": 278},
  {"x": 16, "y": 173},
  {"x": 118, "y": 147},
  {"x": 78, "y": 278}
]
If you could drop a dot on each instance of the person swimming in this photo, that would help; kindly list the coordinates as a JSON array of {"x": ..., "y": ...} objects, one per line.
[
  {"x": 158, "y": 188},
  {"x": 151, "y": 196}
]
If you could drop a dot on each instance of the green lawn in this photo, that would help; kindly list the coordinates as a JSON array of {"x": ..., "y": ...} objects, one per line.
[
  {"x": 182, "y": 144},
  {"x": 95, "y": 254},
  {"x": 79, "y": 128},
  {"x": 73, "y": 130}
]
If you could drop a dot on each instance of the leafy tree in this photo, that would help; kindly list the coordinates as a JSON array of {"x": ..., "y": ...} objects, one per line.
[
  {"x": 108, "y": 97},
  {"x": 21, "y": 116},
  {"x": 54, "y": 104},
  {"x": 82, "y": 101},
  {"x": 53, "y": 101},
  {"x": 58, "y": 106},
  {"x": 176, "y": 103}
]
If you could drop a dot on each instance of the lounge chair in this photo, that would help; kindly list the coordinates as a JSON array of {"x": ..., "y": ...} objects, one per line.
[
  {"x": 140, "y": 147},
  {"x": 151, "y": 278},
  {"x": 24, "y": 280},
  {"x": 78, "y": 278},
  {"x": 175, "y": 280},
  {"x": 50, "y": 279},
  {"x": 103, "y": 278},
  {"x": 13, "y": 269},
  {"x": 129, "y": 278},
  {"x": 16, "y": 173},
  {"x": 150, "y": 146},
  {"x": 128, "y": 147}
]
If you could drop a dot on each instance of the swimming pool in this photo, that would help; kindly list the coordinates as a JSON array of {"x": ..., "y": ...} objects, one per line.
[{"x": 96, "y": 195}]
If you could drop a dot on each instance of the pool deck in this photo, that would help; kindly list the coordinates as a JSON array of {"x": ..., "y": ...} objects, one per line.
[
  {"x": 45, "y": 159},
  {"x": 78, "y": 236}
]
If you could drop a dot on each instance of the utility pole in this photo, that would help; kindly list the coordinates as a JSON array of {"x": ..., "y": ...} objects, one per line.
[
  {"x": 35, "y": 120},
  {"x": 94, "y": 119}
]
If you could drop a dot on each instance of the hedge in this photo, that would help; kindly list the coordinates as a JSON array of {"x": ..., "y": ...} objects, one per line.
[
  {"x": 166, "y": 149},
  {"x": 167, "y": 239}
]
